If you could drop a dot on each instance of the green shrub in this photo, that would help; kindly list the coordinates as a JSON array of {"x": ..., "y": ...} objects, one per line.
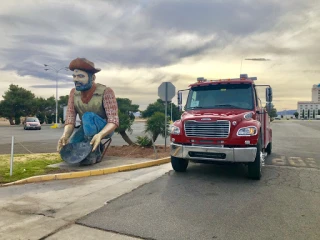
[
  {"x": 17, "y": 120},
  {"x": 144, "y": 141},
  {"x": 155, "y": 125}
]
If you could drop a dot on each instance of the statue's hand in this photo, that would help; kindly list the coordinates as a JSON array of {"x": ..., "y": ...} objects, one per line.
[
  {"x": 62, "y": 141},
  {"x": 95, "y": 141}
]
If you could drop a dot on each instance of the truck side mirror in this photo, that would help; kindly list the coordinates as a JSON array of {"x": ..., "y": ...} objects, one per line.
[
  {"x": 179, "y": 98},
  {"x": 180, "y": 101},
  {"x": 269, "y": 94}
]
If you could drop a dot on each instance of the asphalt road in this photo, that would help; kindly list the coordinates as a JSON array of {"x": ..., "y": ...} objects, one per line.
[
  {"x": 45, "y": 140},
  {"x": 219, "y": 202},
  {"x": 296, "y": 144}
]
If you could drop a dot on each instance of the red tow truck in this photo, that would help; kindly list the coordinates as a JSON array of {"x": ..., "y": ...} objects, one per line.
[{"x": 223, "y": 121}]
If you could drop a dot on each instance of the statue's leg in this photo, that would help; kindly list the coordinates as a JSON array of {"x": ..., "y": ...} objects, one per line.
[
  {"x": 92, "y": 124},
  {"x": 78, "y": 135}
]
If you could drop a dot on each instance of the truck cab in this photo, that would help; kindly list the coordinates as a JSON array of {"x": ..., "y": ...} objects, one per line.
[{"x": 223, "y": 121}]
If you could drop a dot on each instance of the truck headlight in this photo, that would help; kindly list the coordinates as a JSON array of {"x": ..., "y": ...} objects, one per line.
[
  {"x": 175, "y": 130},
  {"x": 247, "y": 131}
]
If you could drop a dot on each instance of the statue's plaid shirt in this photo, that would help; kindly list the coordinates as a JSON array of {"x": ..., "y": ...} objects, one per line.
[{"x": 109, "y": 103}]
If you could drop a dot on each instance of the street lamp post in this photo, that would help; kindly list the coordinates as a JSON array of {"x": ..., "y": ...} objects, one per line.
[{"x": 48, "y": 67}]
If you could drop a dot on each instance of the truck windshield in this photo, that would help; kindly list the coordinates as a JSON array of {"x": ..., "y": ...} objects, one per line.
[{"x": 236, "y": 96}]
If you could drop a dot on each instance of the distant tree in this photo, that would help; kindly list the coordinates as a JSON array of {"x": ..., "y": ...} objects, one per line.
[
  {"x": 50, "y": 110},
  {"x": 152, "y": 108},
  {"x": 38, "y": 108},
  {"x": 296, "y": 115},
  {"x": 62, "y": 102},
  {"x": 272, "y": 111},
  {"x": 126, "y": 118},
  {"x": 155, "y": 125},
  {"x": 159, "y": 106},
  {"x": 17, "y": 102}
]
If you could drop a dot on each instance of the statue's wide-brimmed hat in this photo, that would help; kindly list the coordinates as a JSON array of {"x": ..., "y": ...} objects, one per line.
[
  {"x": 84, "y": 65},
  {"x": 75, "y": 152}
]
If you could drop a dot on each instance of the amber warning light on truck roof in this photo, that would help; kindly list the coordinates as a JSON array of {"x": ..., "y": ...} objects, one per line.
[{"x": 242, "y": 77}]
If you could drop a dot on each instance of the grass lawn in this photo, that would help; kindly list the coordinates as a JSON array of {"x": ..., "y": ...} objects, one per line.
[{"x": 26, "y": 165}]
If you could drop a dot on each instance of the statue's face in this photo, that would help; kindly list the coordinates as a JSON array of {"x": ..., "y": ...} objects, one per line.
[{"x": 82, "y": 80}]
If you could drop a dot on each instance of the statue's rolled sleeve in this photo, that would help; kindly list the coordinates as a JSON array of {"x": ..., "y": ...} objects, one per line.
[
  {"x": 71, "y": 112},
  {"x": 111, "y": 106}
]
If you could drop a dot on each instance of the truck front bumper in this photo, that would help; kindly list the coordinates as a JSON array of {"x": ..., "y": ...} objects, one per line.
[{"x": 241, "y": 155}]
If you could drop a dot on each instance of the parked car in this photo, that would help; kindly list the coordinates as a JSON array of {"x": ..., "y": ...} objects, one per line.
[
  {"x": 78, "y": 122},
  {"x": 277, "y": 118},
  {"x": 31, "y": 123}
]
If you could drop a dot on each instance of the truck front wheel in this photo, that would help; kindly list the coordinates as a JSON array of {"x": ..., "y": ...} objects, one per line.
[
  {"x": 254, "y": 168},
  {"x": 269, "y": 148},
  {"x": 179, "y": 164}
]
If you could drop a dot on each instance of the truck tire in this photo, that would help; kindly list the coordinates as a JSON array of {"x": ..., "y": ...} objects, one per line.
[
  {"x": 179, "y": 164},
  {"x": 269, "y": 148},
  {"x": 254, "y": 168}
]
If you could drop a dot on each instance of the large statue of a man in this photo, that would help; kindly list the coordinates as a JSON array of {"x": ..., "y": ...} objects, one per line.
[{"x": 97, "y": 108}]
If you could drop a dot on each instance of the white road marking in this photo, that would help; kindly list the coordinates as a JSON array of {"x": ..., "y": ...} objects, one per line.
[
  {"x": 311, "y": 162},
  {"x": 295, "y": 162},
  {"x": 279, "y": 161}
]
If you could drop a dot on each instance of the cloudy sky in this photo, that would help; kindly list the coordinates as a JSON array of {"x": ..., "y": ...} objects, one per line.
[{"x": 139, "y": 44}]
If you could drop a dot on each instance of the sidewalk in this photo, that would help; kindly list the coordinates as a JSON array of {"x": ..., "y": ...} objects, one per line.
[
  {"x": 108, "y": 165},
  {"x": 107, "y": 162},
  {"x": 49, "y": 210}
]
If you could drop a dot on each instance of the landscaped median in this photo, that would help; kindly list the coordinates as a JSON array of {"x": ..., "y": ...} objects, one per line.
[
  {"x": 31, "y": 168},
  {"x": 26, "y": 165}
]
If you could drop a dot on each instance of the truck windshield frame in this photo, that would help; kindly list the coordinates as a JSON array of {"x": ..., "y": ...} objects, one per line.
[{"x": 221, "y": 96}]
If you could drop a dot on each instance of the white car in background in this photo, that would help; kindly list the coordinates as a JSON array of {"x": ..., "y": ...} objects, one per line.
[
  {"x": 31, "y": 123},
  {"x": 78, "y": 122}
]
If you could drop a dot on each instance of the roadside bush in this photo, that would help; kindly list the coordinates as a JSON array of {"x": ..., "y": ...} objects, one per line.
[
  {"x": 49, "y": 119},
  {"x": 41, "y": 117},
  {"x": 144, "y": 141},
  {"x": 155, "y": 125},
  {"x": 17, "y": 120}
]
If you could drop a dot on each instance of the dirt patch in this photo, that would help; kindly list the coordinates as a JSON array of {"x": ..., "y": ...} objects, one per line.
[{"x": 137, "y": 152}]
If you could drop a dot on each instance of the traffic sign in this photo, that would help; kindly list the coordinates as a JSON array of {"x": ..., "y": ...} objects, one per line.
[{"x": 166, "y": 91}]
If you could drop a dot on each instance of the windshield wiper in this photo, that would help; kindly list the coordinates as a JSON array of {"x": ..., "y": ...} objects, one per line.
[{"x": 227, "y": 105}]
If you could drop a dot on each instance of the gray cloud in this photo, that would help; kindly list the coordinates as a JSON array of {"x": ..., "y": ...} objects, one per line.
[
  {"x": 135, "y": 34},
  {"x": 120, "y": 34},
  {"x": 63, "y": 85},
  {"x": 257, "y": 59},
  {"x": 204, "y": 16}
]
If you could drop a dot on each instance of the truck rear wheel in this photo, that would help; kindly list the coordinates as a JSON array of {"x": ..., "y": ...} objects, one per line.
[
  {"x": 254, "y": 168},
  {"x": 269, "y": 148},
  {"x": 179, "y": 164}
]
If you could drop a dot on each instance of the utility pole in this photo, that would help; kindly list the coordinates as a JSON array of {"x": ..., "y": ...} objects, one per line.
[{"x": 48, "y": 67}]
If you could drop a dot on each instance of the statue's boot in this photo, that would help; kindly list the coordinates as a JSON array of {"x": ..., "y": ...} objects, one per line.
[{"x": 93, "y": 157}]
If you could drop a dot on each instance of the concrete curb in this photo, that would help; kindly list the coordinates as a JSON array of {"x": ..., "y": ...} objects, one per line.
[{"x": 88, "y": 173}]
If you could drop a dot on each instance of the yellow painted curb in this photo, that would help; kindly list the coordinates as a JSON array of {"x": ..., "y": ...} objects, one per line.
[{"x": 97, "y": 172}]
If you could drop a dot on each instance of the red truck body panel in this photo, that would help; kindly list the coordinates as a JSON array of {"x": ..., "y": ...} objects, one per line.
[{"x": 260, "y": 119}]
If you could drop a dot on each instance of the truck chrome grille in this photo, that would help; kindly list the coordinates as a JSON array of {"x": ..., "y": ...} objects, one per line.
[{"x": 218, "y": 129}]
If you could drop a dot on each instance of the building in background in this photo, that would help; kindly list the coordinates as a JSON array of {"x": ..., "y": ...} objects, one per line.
[
  {"x": 311, "y": 109},
  {"x": 316, "y": 93}
]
